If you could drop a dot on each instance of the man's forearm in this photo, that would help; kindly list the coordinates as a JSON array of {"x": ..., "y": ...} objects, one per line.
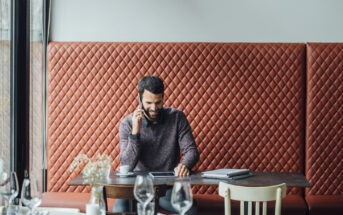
[
  {"x": 190, "y": 158},
  {"x": 187, "y": 143},
  {"x": 129, "y": 146},
  {"x": 129, "y": 152}
]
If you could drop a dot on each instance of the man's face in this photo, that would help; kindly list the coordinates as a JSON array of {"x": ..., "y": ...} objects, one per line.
[{"x": 152, "y": 104}]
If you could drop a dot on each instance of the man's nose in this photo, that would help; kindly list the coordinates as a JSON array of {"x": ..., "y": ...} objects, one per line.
[{"x": 153, "y": 107}]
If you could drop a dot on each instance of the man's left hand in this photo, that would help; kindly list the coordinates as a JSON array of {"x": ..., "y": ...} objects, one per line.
[{"x": 181, "y": 170}]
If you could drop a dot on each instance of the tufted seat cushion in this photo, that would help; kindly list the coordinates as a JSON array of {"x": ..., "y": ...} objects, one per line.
[
  {"x": 324, "y": 204},
  {"x": 69, "y": 200}
]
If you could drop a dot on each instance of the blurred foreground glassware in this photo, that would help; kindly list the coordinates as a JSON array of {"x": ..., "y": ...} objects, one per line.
[
  {"x": 9, "y": 188},
  {"x": 149, "y": 209},
  {"x": 31, "y": 194},
  {"x": 96, "y": 205},
  {"x": 182, "y": 198},
  {"x": 143, "y": 191}
]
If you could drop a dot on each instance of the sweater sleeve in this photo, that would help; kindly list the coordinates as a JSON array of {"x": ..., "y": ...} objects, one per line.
[
  {"x": 186, "y": 142},
  {"x": 129, "y": 144}
]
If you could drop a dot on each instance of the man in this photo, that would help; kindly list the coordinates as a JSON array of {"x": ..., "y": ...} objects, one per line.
[{"x": 152, "y": 137}]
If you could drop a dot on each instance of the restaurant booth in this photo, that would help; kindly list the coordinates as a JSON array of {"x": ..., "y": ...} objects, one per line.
[{"x": 267, "y": 107}]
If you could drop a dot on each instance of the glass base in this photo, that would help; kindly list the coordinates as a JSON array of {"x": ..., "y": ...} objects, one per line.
[{"x": 149, "y": 210}]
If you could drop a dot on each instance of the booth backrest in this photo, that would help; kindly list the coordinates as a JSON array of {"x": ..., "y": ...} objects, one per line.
[
  {"x": 245, "y": 102},
  {"x": 324, "y": 114}
]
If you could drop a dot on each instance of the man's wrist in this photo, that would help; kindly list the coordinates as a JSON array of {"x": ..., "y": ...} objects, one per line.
[{"x": 134, "y": 131}]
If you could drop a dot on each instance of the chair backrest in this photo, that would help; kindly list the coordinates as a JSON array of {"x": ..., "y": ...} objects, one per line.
[{"x": 252, "y": 194}]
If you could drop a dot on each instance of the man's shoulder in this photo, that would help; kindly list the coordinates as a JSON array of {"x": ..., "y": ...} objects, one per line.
[
  {"x": 127, "y": 119},
  {"x": 173, "y": 113}
]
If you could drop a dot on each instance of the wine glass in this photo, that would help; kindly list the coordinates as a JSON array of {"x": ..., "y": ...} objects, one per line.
[
  {"x": 31, "y": 194},
  {"x": 9, "y": 187},
  {"x": 182, "y": 198},
  {"x": 144, "y": 190}
]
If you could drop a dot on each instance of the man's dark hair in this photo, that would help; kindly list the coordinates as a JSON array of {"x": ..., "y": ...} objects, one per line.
[{"x": 152, "y": 84}]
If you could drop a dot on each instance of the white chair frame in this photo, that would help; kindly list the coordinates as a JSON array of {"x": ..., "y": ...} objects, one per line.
[{"x": 252, "y": 194}]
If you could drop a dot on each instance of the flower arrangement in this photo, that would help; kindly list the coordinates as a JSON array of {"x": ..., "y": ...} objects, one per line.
[{"x": 93, "y": 169}]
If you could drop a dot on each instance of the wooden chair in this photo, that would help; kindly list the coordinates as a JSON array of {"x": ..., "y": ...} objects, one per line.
[{"x": 252, "y": 194}]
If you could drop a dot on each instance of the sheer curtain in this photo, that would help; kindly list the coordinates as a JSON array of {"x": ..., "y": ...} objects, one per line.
[
  {"x": 5, "y": 80},
  {"x": 36, "y": 88}
]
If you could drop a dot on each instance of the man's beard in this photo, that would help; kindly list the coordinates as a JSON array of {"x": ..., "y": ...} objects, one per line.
[{"x": 149, "y": 117}]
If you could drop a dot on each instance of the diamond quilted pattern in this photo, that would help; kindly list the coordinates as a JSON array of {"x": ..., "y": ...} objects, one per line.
[
  {"x": 324, "y": 130},
  {"x": 245, "y": 102}
]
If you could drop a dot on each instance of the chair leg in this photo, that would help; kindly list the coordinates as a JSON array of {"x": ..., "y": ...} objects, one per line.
[
  {"x": 278, "y": 202},
  {"x": 227, "y": 203},
  {"x": 243, "y": 207},
  {"x": 257, "y": 208},
  {"x": 249, "y": 208},
  {"x": 104, "y": 194},
  {"x": 264, "y": 208}
]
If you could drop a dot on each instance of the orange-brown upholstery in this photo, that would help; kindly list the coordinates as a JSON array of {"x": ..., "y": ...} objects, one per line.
[
  {"x": 245, "y": 103},
  {"x": 324, "y": 130},
  {"x": 69, "y": 200}
]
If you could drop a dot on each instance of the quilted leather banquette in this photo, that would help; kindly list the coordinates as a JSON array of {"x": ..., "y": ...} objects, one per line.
[
  {"x": 249, "y": 105},
  {"x": 324, "y": 130}
]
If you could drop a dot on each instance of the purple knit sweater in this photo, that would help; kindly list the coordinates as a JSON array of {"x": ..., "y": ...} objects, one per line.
[{"x": 158, "y": 146}]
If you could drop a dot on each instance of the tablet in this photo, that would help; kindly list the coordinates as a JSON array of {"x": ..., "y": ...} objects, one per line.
[{"x": 162, "y": 174}]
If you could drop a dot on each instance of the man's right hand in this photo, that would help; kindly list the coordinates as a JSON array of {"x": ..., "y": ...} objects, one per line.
[{"x": 137, "y": 121}]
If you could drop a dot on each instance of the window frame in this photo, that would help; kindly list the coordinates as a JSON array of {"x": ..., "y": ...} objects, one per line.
[{"x": 20, "y": 67}]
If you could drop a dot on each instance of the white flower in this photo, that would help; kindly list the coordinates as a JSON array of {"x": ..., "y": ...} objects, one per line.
[{"x": 93, "y": 169}]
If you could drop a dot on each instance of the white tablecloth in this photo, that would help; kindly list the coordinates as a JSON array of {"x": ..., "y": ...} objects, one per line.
[{"x": 52, "y": 211}]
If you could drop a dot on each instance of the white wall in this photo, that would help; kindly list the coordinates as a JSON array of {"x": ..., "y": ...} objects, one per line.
[{"x": 198, "y": 20}]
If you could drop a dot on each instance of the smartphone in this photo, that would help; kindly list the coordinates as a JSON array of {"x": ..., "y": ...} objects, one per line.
[
  {"x": 140, "y": 102},
  {"x": 146, "y": 117}
]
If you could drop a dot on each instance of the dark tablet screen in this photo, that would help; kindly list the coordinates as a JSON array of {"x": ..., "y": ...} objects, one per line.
[{"x": 162, "y": 174}]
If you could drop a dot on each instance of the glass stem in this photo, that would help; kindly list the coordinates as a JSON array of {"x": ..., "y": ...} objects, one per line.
[{"x": 144, "y": 209}]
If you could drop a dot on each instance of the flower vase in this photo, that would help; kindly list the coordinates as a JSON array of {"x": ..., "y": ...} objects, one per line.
[{"x": 96, "y": 205}]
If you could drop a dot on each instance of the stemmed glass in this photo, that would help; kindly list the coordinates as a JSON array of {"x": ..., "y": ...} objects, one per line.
[
  {"x": 144, "y": 191},
  {"x": 9, "y": 187},
  {"x": 182, "y": 198},
  {"x": 31, "y": 194}
]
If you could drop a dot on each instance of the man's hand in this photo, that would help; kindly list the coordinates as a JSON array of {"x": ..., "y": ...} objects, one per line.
[
  {"x": 181, "y": 170},
  {"x": 137, "y": 121}
]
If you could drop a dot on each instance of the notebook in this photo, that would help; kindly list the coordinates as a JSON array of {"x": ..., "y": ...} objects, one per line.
[{"x": 227, "y": 173}]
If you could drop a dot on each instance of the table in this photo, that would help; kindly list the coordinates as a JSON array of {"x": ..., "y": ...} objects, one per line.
[
  {"x": 258, "y": 179},
  {"x": 122, "y": 187}
]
